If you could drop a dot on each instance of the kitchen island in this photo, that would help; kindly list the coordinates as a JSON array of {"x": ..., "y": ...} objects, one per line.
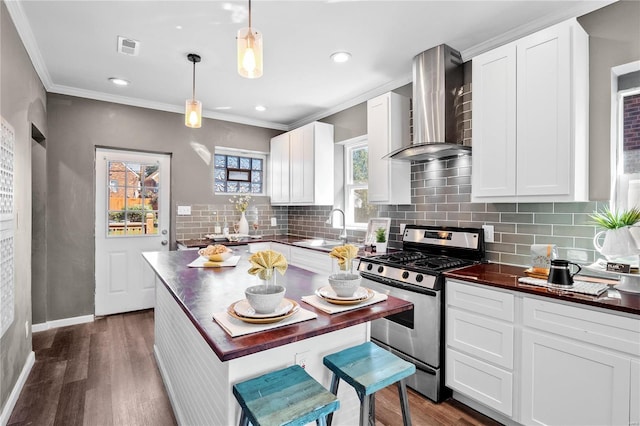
[{"x": 200, "y": 362}]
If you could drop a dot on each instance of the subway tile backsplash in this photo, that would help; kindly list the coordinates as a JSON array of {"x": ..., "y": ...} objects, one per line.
[{"x": 441, "y": 195}]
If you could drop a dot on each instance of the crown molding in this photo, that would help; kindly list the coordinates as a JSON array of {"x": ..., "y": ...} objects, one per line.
[
  {"x": 160, "y": 106},
  {"x": 21, "y": 23},
  {"x": 577, "y": 10},
  {"x": 355, "y": 101}
]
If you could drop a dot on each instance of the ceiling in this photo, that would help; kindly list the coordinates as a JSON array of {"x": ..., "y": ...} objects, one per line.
[{"x": 73, "y": 47}]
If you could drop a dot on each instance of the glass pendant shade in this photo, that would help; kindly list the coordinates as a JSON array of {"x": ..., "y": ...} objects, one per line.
[
  {"x": 249, "y": 52},
  {"x": 193, "y": 113}
]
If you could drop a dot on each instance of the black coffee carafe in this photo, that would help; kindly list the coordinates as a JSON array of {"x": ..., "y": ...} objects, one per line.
[{"x": 560, "y": 272}]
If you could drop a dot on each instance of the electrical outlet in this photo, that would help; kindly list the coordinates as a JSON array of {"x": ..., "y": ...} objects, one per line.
[
  {"x": 184, "y": 210},
  {"x": 301, "y": 359},
  {"x": 488, "y": 233},
  {"x": 274, "y": 221}
]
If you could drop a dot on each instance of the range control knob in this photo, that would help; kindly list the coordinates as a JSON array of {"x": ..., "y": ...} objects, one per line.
[
  {"x": 369, "y": 267},
  {"x": 419, "y": 278},
  {"x": 380, "y": 269},
  {"x": 405, "y": 275}
]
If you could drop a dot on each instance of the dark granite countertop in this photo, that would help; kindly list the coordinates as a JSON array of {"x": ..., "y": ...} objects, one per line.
[
  {"x": 505, "y": 276},
  {"x": 198, "y": 290}
]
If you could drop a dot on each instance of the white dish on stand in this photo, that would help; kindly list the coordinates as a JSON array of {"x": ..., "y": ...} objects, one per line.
[{"x": 629, "y": 283}]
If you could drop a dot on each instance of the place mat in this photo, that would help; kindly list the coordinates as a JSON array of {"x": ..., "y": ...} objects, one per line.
[
  {"x": 235, "y": 327},
  {"x": 582, "y": 287},
  {"x": 203, "y": 262},
  {"x": 330, "y": 308}
]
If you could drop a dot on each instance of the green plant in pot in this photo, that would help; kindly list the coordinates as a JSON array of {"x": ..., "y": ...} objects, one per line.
[
  {"x": 618, "y": 238},
  {"x": 381, "y": 240}
]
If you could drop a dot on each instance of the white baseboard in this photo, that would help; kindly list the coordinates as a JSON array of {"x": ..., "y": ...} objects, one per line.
[
  {"x": 61, "y": 323},
  {"x": 15, "y": 392}
]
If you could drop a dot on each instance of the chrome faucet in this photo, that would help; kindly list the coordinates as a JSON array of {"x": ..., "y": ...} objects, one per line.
[{"x": 343, "y": 235}]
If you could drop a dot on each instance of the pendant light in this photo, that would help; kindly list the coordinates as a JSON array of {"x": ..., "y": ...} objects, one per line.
[
  {"x": 193, "y": 108},
  {"x": 249, "y": 42}
]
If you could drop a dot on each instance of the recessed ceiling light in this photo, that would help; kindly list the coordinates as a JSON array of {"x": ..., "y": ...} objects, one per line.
[
  {"x": 340, "y": 57},
  {"x": 261, "y": 108},
  {"x": 178, "y": 27},
  {"x": 223, "y": 107},
  {"x": 118, "y": 81}
]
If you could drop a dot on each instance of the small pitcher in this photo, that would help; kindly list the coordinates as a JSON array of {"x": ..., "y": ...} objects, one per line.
[{"x": 560, "y": 272}]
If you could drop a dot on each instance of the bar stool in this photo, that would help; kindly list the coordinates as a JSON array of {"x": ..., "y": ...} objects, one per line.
[
  {"x": 285, "y": 397},
  {"x": 369, "y": 368}
]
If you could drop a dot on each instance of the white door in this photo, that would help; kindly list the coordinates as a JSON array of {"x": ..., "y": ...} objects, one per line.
[{"x": 132, "y": 216}]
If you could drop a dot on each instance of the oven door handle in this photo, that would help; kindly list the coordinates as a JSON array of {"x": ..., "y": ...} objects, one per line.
[{"x": 400, "y": 285}]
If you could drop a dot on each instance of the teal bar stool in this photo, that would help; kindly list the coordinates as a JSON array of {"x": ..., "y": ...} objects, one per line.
[
  {"x": 285, "y": 397},
  {"x": 369, "y": 368}
]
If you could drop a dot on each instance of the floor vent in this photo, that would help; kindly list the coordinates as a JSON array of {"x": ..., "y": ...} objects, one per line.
[{"x": 128, "y": 46}]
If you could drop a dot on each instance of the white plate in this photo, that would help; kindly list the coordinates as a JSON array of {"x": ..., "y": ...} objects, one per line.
[
  {"x": 243, "y": 309},
  {"x": 327, "y": 292}
]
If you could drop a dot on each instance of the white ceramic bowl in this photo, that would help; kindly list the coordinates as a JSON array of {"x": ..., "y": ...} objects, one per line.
[
  {"x": 261, "y": 300},
  {"x": 345, "y": 284}
]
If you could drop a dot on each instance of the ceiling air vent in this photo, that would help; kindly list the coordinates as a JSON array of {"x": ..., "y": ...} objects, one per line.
[{"x": 128, "y": 46}]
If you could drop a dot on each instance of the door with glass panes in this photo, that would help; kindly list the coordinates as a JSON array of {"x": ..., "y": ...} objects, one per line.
[{"x": 132, "y": 216}]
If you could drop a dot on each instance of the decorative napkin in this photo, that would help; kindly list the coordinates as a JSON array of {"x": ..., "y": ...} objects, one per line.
[
  {"x": 234, "y": 327},
  {"x": 264, "y": 261},
  {"x": 203, "y": 262},
  {"x": 330, "y": 308},
  {"x": 344, "y": 254}
]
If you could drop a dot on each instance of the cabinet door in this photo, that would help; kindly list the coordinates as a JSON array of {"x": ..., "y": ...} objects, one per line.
[
  {"x": 569, "y": 383},
  {"x": 279, "y": 160},
  {"x": 311, "y": 260},
  {"x": 544, "y": 122},
  {"x": 378, "y": 134},
  {"x": 302, "y": 164},
  {"x": 634, "y": 397},
  {"x": 494, "y": 123}
]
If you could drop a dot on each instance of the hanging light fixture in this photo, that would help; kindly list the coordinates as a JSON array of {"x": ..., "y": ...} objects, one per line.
[
  {"x": 193, "y": 108},
  {"x": 249, "y": 42}
]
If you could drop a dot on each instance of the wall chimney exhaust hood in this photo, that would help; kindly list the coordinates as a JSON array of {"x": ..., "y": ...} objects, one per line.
[{"x": 437, "y": 84}]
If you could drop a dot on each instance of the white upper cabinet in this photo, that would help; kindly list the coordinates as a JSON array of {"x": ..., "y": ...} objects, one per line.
[
  {"x": 530, "y": 118},
  {"x": 388, "y": 130},
  {"x": 302, "y": 166}
]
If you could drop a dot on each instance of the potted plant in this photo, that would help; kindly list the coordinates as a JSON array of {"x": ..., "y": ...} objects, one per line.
[
  {"x": 381, "y": 240},
  {"x": 618, "y": 239}
]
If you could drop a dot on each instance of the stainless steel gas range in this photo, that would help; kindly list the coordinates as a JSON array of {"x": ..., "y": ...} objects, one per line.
[{"x": 416, "y": 274}]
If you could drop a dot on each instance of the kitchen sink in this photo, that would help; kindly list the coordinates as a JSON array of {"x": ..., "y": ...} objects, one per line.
[
  {"x": 318, "y": 243},
  {"x": 321, "y": 244}
]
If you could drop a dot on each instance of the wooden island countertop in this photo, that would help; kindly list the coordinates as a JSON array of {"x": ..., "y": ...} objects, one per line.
[{"x": 201, "y": 292}]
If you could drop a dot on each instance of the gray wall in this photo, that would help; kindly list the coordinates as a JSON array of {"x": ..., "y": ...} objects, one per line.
[
  {"x": 22, "y": 102},
  {"x": 38, "y": 232},
  {"x": 614, "y": 39},
  {"x": 76, "y": 127}
]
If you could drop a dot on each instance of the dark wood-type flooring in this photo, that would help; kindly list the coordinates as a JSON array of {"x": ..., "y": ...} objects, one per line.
[{"x": 104, "y": 373}]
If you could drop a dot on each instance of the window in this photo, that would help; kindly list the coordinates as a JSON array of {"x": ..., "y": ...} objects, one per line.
[
  {"x": 358, "y": 211},
  {"x": 239, "y": 171}
]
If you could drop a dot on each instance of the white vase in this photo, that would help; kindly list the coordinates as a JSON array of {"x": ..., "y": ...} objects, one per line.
[
  {"x": 243, "y": 225},
  {"x": 617, "y": 243}
]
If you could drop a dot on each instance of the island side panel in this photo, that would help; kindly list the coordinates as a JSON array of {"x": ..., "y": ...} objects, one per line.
[{"x": 199, "y": 384}]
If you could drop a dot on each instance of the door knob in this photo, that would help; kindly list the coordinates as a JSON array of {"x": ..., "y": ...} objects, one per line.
[{"x": 165, "y": 242}]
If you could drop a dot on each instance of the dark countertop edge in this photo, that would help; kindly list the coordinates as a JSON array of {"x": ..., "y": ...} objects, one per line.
[
  {"x": 628, "y": 303},
  {"x": 237, "y": 353}
]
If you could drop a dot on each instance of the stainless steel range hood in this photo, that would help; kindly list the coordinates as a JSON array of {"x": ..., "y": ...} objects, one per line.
[{"x": 437, "y": 82}]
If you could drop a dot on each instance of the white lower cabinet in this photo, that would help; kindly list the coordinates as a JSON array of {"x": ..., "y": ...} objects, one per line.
[
  {"x": 479, "y": 339},
  {"x": 526, "y": 360},
  {"x": 572, "y": 383},
  {"x": 285, "y": 249}
]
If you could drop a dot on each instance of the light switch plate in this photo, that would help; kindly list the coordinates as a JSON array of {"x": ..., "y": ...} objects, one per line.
[
  {"x": 274, "y": 221},
  {"x": 184, "y": 210}
]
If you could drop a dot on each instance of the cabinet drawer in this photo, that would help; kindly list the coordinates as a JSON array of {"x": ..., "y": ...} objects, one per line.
[
  {"x": 599, "y": 328},
  {"x": 311, "y": 260},
  {"x": 485, "y": 338},
  {"x": 485, "y": 383},
  {"x": 484, "y": 301}
]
